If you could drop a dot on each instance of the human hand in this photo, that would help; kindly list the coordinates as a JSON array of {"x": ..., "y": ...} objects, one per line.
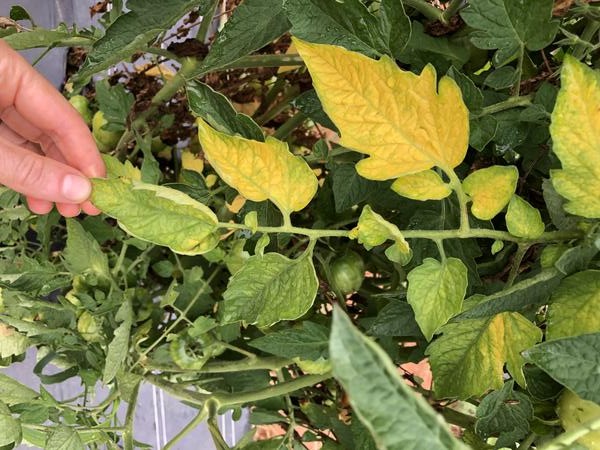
[{"x": 47, "y": 152}]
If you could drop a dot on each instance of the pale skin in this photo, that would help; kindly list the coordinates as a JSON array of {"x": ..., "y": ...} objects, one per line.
[{"x": 47, "y": 152}]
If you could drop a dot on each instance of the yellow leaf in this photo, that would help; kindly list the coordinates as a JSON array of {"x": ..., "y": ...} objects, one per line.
[
  {"x": 425, "y": 185},
  {"x": 191, "y": 161},
  {"x": 237, "y": 204},
  {"x": 491, "y": 189},
  {"x": 395, "y": 116},
  {"x": 259, "y": 170},
  {"x": 523, "y": 220},
  {"x": 575, "y": 133}
]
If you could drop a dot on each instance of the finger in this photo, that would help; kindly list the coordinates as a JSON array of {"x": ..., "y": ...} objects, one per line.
[
  {"x": 41, "y": 177},
  {"x": 27, "y": 98},
  {"x": 68, "y": 209},
  {"x": 38, "y": 206},
  {"x": 90, "y": 209},
  {"x": 10, "y": 135}
]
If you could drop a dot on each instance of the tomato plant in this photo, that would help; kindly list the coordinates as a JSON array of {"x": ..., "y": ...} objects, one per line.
[{"x": 303, "y": 205}]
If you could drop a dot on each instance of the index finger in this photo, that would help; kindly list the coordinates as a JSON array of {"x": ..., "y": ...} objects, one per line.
[{"x": 39, "y": 103}]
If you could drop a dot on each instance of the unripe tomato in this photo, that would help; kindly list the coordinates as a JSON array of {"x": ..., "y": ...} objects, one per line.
[
  {"x": 574, "y": 411},
  {"x": 348, "y": 272},
  {"x": 81, "y": 104},
  {"x": 105, "y": 139}
]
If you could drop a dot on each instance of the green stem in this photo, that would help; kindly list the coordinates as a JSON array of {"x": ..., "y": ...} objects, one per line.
[
  {"x": 517, "y": 87},
  {"x": 463, "y": 199},
  {"x": 451, "y": 10},
  {"x": 251, "y": 61},
  {"x": 564, "y": 440},
  {"x": 237, "y": 349},
  {"x": 440, "y": 246},
  {"x": 120, "y": 260},
  {"x": 587, "y": 35},
  {"x": 256, "y": 363},
  {"x": 215, "y": 433},
  {"x": 509, "y": 103},
  {"x": 527, "y": 443},
  {"x": 278, "y": 108},
  {"x": 425, "y": 8},
  {"x": 290, "y": 125},
  {"x": 202, "y": 415},
  {"x": 128, "y": 433},
  {"x": 207, "y": 20}
]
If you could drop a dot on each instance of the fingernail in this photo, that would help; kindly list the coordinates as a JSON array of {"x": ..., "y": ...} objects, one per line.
[{"x": 75, "y": 188}]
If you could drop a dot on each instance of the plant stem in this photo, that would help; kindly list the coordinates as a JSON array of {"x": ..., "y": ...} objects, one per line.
[
  {"x": 425, "y": 8},
  {"x": 290, "y": 125},
  {"x": 451, "y": 10},
  {"x": 564, "y": 440},
  {"x": 463, "y": 199},
  {"x": 591, "y": 28},
  {"x": 255, "y": 363},
  {"x": 206, "y": 22},
  {"x": 526, "y": 444},
  {"x": 251, "y": 61},
  {"x": 518, "y": 258},
  {"x": 128, "y": 433},
  {"x": 215, "y": 433},
  {"x": 278, "y": 108},
  {"x": 509, "y": 103},
  {"x": 202, "y": 415}
]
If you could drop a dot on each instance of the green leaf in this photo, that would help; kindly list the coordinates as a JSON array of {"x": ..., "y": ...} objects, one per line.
[
  {"x": 396, "y": 417},
  {"x": 132, "y": 31},
  {"x": 349, "y": 24},
  {"x": 468, "y": 359},
  {"x": 12, "y": 343},
  {"x": 523, "y": 220},
  {"x": 349, "y": 188},
  {"x": 252, "y": 25},
  {"x": 83, "y": 254},
  {"x": 510, "y": 26},
  {"x": 471, "y": 94},
  {"x": 555, "y": 207},
  {"x": 502, "y": 78},
  {"x": 396, "y": 318},
  {"x": 491, "y": 189},
  {"x": 505, "y": 414},
  {"x": 574, "y": 362},
  {"x": 119, "y": 346},
  {"x": 158, "y": 214},
  {"x": 10, "y": 428},
  {"x": 217, "y": 110},
  {"x": 533, "y": 291},
  {"x": 576, "y": 259},
  {"x": 40, "y": 38},
  {"x": 308, "y": 102},
  {"x": 373, "y": 230},
  {"x": 436, "y": 292},
  {"x": 115, "y": 103},
  {"x": 576, "y": 138},
  {"x": 117, "y": 169},
  {"x": 19, "y": 13},
  {"x": 12, "y": 392},
  {"x": 574, "y": 306},
  {"x": 482, "y": 131},
  {"x": 309, "y": 342},
  {"x": 64, "y": 438},
  {"x": 268, "y": 289}
]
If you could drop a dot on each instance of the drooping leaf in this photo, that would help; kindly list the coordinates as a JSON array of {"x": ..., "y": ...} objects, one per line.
[
  {"x": 158, "y": 214},
  {"x": 510, "y": 26},
  {"x": 574, "y": 362},
  {"x": 132, "y": 31},
  {"x": 373, "y": 230},
  {"x": 260, "y": 170},
  {"x": 523, "y": 220},
  {"x": 268, "y": 289},
  {"x": 575, "y": 132},
  {"x": 469, "y": 357},
  {"x": 576, "y": 259},
  {"x": 215, "y": 108},
  {"x": 574, "y": 306},
  {"x": 252, "y": 25},
  {"x": 396, "y": 318},
  {"x": 505, "y": 414},
  {"x": 436, "y": 292},
  {"x": 491, "y": 189},
  {"x": 395, "y": 416},
  {"x": 117, "y": 169},
  {"x": 309, "y": 342},
  {"x": 83, "y": 254},
  {"x": 10, "y": 428},
  {"x": 349, "y": 24},
  {"x": 64, "y": 438},
  {"x": 555, "y": 207},
  {"x": 400, "y": 140},
  {"x": 425, "y": 185},
  {"x": 119, "y": 346},
  {"x": 12, "y": 343}
]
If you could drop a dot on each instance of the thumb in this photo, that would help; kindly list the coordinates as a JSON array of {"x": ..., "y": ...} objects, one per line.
[{"x": 41, "y": 177}]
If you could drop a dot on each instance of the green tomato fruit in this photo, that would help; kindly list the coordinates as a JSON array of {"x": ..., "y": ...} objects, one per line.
[
  {"x": 81, "y": 104},
  {"x": 105, "y": 139},
  {"x": 574, "y": 411},
  {"x": 348, "y": 272},
  {"x": 89, "y": 327}
]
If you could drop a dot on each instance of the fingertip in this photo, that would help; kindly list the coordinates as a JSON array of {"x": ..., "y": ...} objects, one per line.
[
  {"x": 38, "y": 206},
  {"x": 68, "y": 209},
  {"x": 90, "y": 209}
]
